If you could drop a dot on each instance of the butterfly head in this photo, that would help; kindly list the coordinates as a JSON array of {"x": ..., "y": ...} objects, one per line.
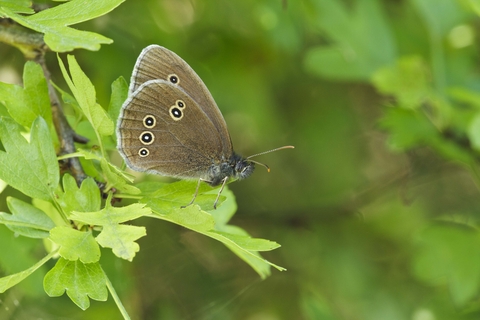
[{"x": 243, "y": 167}]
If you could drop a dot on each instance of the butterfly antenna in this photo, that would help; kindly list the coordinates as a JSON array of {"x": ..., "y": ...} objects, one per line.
[{"x": 261, "y": 153}]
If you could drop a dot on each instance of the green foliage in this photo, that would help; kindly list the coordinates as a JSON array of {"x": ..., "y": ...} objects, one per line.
[
  {"x": 84, "y": 93},
  {"x": 356, "y": 35},
  {"x": 121, "y": 238},
  {"x": 54, "y": 23},
  {"x": 450, "y": 254},
  {"x": 18, "y": 6},
  {"x": 26, "y": 220},
  {"x": 26, "y": 104},
  {"x": 73, "y": 218},
  {"x": 376, "y": 209},
  {"x": 80, "y": 280},
  {"x": 31, "y": 168},
  {"x": 76, "y": 245}
]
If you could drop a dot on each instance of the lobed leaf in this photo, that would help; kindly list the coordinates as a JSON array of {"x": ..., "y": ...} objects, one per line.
[
  {"x": 54, "y": 23},
  {"x": 121, "y": 238},
  {"x": 32, "y": 168},
  {"x": 83, "y": 199},
  {"x": 75, "y": 244},
  {"x": 25, "y": 104},
  {"x": 80, "y": 280}
]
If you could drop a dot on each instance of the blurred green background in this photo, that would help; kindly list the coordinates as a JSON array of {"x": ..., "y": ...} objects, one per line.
[{"x": 376, "y": 208}]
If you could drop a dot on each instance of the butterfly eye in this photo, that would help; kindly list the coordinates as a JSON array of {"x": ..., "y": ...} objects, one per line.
[
  {"x": 147, "y": 137},
  {"x": 143, "y": 152},
  {"x": 149, "y": 121},
  {"x": 173, "y": 78},
  {"x": 176, "y": 113}
]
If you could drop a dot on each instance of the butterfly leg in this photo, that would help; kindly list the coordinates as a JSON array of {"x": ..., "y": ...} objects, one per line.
[
  {"x": 224, "y": 181},
  {"x": 196, "y": 192}
]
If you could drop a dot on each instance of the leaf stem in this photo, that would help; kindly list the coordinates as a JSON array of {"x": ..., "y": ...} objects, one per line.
[{"x": 116, "y": 298}]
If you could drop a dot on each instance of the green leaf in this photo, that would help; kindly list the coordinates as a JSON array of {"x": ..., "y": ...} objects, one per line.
[
  {"x": 118, "y": 97},
  {"x": 54, "y": 23},
  {"x": 18, "y": 6},
  {"x": 84, "y": 93},
  {"x": 450, "y": 254},
  {"x": 75, "y": 244},
  {"x": 27, "y": 103},
  {"x": 32, "y": 168},
  {"x": 84, "y": 199},
  {"x": 26, "y": 220},
  {"x": 121, "y": 238},
  {"x": 13, "y": 279},
  {"x": 247, "y": 242},
  {"x": 81, "y": 281},
  {"x": 177, "y": 194},
  {"x": 193, "y": 218},
  {"x": 407, "y": 80},
  {"x": 357, "y": 35}
]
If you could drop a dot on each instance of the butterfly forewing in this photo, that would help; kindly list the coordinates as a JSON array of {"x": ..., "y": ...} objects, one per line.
[
  {"x": 161, "y": 124},
  {"x": 156, "y": 62}
]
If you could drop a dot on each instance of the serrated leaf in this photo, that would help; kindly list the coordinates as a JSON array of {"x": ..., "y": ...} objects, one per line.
[
  {"x": 81, "y": 281},
  {"x": 54, "y": 23},
  {"x": 26, "y": 220},
  {"x": 27, "y": 103},
  {"x": 32, "y": 168},
  {"x": 75, "y": 244},
  {"x": 84, "y": 93},
  {"x": 84, "y": 199},
  {"x": 121, "y": 238},
  {"x": 13, "y": 279}
]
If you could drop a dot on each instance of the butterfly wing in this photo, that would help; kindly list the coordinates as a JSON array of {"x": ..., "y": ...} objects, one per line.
[
  {"x": 162, "y": 129},
  {"x": 156, "y": 62}
]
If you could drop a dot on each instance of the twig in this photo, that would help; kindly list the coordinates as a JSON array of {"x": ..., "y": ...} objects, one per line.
[{"x": 33, "y": 47}]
